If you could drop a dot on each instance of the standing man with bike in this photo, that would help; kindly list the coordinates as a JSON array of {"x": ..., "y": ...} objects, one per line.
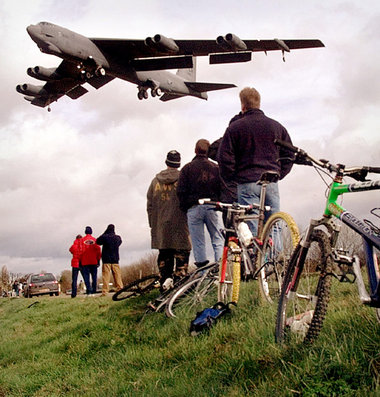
[
  {"x": 200, "y": 179},
  {"x": 168, "y": 224},
  {"x": 248, "y": 149}
]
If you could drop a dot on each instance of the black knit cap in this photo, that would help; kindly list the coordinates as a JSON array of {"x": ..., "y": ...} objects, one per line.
[
  {"x": 88, "y": 230},
  {"x": 173, "y": 159}
]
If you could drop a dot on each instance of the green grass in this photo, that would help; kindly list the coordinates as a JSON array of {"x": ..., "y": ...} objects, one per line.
[{"x": 97, "y": 347}]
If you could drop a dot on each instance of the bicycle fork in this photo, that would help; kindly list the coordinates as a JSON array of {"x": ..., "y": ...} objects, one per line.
[{"x": 235, "y": 251}]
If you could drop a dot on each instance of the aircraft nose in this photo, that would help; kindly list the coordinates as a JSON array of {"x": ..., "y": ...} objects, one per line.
[{"x": 33, "y": 30}]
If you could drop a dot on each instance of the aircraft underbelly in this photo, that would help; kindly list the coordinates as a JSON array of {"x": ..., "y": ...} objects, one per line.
[{"x": 166, "y": 81}]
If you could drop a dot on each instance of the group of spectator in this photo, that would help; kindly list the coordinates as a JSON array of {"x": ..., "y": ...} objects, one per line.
[
  {"x": 176, "y": 219},
  {"x": 241, "y": 156},
  {"x": 86, "y": 254}
]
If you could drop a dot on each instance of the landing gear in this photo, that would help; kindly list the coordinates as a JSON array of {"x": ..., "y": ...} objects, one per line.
[
  {"x": 143, "y": 93},
  {"x": 100, "y": 71},
  {"x": 156, "y": 92}
]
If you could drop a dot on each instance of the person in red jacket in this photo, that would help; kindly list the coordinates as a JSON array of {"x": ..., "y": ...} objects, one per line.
[
  {"x": 90, "y": 260},
  {"x": 76, "y": 251}
]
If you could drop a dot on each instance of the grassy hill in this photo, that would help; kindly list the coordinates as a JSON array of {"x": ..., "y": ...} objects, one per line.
[{"x": 96, "y": 347}]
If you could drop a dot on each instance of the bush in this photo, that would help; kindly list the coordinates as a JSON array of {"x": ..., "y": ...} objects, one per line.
[{"x": 141, "y": 268}]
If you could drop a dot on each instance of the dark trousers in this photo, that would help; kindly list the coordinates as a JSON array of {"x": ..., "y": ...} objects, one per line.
[
  {"x": 90, "y": 272},
  {"x": 172, "y": 263},
  {"x": 74, "y": 276}
]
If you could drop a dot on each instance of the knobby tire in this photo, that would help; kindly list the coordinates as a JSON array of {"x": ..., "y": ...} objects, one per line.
[
  {"x": 301, "y": 312},
  {"x": 136, "y": 288}
]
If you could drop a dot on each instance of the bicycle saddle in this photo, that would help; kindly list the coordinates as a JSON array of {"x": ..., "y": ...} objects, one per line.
[{"x": 268, "y": 177}]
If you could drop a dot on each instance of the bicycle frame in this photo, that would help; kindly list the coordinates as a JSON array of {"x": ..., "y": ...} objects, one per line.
[{"x": 370, "y": 238}]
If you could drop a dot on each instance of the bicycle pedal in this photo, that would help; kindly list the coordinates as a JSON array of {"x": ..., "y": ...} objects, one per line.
[{"x": 151, "y": 306}]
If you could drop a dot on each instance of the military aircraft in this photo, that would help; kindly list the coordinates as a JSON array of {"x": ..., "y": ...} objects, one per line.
[{"x": 97, "y": 61}]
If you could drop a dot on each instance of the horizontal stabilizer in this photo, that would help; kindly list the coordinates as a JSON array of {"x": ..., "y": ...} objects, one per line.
[
  {"x": 76, "y": 92},
  {"x": 204, "y": 87},
  {"x": 99, "y": 81},
  {"x": 168, "y": 97}
]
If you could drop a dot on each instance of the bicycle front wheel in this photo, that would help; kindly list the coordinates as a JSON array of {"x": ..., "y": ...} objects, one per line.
[
  {"x": 306, "y": 292},
  {"x": 194, "y": 296},
  {"x": 136, "y": 288},
  {"x": 280, "y": 236}
]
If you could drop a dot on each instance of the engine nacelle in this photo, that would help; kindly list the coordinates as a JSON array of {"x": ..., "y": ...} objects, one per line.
[
  {"x": 162, "y": 43},
  {"x": 31, "y": 90},
  {"x": 231, "y": 42},
  {"x": 41, "y": 73}
]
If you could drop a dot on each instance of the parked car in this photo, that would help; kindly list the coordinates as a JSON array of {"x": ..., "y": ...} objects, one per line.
[{"x": 40, "y": 284}]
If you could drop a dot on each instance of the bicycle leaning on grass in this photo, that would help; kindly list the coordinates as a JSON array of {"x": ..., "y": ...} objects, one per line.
[
  {"x": 148, "y": 283},
  {"x": 244, "y": 256},
  {"x": 306, "y": 289}
]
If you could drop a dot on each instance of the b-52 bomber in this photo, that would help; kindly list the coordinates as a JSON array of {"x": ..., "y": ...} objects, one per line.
[{"x": 97, "y": 61}]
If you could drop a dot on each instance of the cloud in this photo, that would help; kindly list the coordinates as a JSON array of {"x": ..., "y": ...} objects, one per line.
[{"x": 90, "y": 161}]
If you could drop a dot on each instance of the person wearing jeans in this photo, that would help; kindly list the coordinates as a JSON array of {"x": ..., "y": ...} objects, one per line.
[
  {"x": 198, "y": 217},
  {"x": 248, "y": 150},
  {"x": 90, "y": 258},
  {"x": 200, "y": 179},
  {"x": 76, "y": 267},
  {"x": 249, "y": 193}
]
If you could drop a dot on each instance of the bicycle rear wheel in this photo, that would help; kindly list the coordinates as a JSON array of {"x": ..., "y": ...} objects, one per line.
[
  {"x": 280, "y": 236},
  {"x": 306, "y": 292},
  {"x": 194, "y": 296},
  {"x": 136, "y": 288}
]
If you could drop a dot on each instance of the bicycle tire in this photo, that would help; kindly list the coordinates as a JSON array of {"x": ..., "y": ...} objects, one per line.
[
  {"x": 136, "y": 288},
  {"x": 279, "y": 237},
  {"x": 301, "y": 311},
  {"x": 193, "y": 296}
]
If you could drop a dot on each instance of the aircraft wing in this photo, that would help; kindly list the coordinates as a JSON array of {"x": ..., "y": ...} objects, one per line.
[
  {"x": 66, "y": 80},
  {"x": 164, "y": 51}
]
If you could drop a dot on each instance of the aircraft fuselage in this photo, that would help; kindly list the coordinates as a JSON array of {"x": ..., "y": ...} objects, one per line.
[{"x": 66, "y": 44}]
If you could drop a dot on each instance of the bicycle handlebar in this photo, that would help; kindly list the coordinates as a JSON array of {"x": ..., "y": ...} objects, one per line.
[
  {"x": 301, "y": 157},
  {"x": 239, "y": 207}
]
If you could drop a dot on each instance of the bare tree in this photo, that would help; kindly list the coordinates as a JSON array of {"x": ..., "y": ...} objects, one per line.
[
  {"x": 4, "y": 280},
  {"x": 146, "y": 266},
  {"x": 65, "y": 280}
]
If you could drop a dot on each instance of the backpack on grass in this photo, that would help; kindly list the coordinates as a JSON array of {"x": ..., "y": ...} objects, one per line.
[{"x": 207, "y": 318}]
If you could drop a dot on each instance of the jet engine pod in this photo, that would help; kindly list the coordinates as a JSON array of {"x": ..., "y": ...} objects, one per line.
[
  {"x": 162, "y": 43},
  {"x": 41, "y": 73},
  {"x": 231, "y": 42},
  {"x": 31, "y": 90}
]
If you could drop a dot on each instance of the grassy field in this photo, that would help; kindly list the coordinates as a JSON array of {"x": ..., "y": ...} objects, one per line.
[{"x": 96, "y": 347}]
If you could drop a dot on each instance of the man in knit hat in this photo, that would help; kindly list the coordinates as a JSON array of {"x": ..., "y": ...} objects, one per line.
[{"x": 169, "y": 231}]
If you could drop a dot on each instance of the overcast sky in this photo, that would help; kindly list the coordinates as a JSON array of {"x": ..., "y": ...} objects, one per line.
[{"x": 90, "y": 161}]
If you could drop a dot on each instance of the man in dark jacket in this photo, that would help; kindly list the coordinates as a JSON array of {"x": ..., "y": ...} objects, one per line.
[
  {"x": 248, "y": 149},
  {"x": 110, "y": 258},
  {"x": 200, "y": 179},
  {"x": 168, "y": 224}
]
